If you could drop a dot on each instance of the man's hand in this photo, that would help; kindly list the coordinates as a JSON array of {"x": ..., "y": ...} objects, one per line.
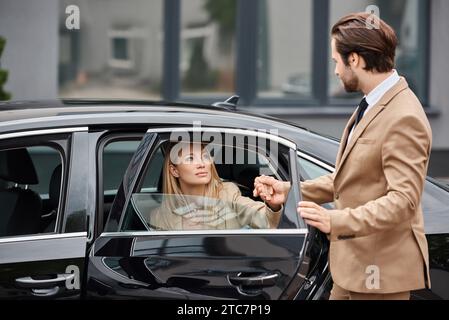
[
  {"x": 271, "y": 190},
  {"x": 315, "y": 215}
]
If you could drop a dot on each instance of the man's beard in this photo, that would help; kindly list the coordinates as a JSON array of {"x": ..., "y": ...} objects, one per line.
[{"x": 352, "y": 84}]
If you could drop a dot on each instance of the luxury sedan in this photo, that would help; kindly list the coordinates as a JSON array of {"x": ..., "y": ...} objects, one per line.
[{"x": 81, "y": 181}]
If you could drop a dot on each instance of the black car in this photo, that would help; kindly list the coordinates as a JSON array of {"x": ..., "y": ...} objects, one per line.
[{"x": 78, "y": 178}]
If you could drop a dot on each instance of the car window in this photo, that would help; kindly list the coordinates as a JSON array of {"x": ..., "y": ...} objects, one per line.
[
  {"x": 310, "y": 170},
  {"x": 45, "y": 160},
  {"x": 116, "y": 157},
  {"x": 233, "y": 206},
  {"x": 435, "y": 206},
  {"x": 30, "y": 189}
]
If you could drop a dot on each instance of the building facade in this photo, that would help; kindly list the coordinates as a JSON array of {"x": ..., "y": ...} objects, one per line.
[{"x": 275, "y": 54}]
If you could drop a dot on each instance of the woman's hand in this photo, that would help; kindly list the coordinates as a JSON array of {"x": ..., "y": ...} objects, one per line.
[{"x": 274, "y": 192}]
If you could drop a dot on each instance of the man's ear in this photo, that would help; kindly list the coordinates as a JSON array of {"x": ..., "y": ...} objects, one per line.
[
  {"x": 356, "y": 61},
  {"x": 173, "y": 171}
]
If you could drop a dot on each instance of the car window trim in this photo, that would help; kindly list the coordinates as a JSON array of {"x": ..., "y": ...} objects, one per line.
[
  {"x": 316, "y": 161},
  {"x": 37, "y": 237},
  {"x": 26, "y": 133},
  {"x": 126, "y": 234},
  {"x": 55, "y": 248},
  {"x": 105, "y": 138},
  {"x": 255, "y": 133}
]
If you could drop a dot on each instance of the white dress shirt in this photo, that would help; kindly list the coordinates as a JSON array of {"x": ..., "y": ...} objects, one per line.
[{"x": 377, "y": 93}]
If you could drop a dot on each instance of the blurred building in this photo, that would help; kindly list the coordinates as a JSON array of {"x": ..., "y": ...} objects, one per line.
[{"x": 274, "y": 53}]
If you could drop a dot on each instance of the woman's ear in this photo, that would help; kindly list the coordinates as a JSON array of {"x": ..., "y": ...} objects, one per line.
[{"x": 173, "y": 171}]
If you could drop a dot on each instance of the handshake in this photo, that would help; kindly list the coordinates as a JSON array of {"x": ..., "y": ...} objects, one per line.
[{"x": 273, "y": 192}]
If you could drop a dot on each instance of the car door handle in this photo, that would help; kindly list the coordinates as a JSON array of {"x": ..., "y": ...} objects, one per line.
[
  {"x": 260, "y": 280},
  {"x": 29, "y": 282}
]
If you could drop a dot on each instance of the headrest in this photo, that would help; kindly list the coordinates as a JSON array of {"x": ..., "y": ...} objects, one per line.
[{"x": 16, "y": 166}]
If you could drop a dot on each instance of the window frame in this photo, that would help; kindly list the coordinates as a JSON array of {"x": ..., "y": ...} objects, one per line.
[
  {"x": 102, "y": 142},
  {"x": 59, "y": 140},
  {"x": 326, "y": 167},
  {"x": 246, "y": 57},
  {"x": 136, "y": 178}
]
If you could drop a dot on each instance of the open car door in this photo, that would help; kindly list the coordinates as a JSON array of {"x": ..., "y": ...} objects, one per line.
[{"x": 133, "y": 258}]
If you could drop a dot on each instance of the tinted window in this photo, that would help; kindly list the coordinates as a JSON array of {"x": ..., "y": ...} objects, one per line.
[
  {"x": 116, "y": 157},
  {"x": 30, "y": 190},
  {"x": 309, "y": 170},
  {"x": 45, "y": 160}
]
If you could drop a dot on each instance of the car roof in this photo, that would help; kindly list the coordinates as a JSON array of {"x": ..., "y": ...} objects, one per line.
[
  {"x": 38, "y": 114},
  {"x": 112, "y": 103}
]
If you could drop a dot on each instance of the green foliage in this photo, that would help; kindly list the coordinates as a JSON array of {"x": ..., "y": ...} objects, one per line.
[
  {"x": 3, "y": 74},
  {"x": 224, "y": 13},
  {"x": 199, "y": 76}
]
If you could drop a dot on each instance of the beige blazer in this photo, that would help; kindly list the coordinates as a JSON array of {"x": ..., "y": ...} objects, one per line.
[
  {"x": 231, "y": 211},
  {"x": 377, "y": 187}
]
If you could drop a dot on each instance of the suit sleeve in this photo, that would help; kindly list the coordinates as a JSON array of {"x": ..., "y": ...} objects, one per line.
[
  {"x": 319, "y": 190},
  {"x": 253, "y": 213},
  {"x": 405, "y": 154}
]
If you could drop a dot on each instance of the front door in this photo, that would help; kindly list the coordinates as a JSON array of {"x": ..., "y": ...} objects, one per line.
[{"x": 235, "y": 248}]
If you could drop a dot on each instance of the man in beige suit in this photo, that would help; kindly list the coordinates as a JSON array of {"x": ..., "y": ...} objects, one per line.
[{"x": 378, "y": 248}]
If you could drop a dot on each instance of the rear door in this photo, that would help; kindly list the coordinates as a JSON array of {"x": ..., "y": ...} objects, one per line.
[
  {"x": 132, "y": 259},
  {"x": 43, "y": 213}
]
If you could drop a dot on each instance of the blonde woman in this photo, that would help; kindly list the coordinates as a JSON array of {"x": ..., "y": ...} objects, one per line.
[{"x": 196, "y": 198}]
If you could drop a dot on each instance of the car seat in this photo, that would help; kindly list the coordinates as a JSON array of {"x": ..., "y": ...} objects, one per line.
[{"x": 21, "y": 207}]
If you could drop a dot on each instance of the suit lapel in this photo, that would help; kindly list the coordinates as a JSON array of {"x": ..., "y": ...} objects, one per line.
[
  {"x": 344, "y": 138},
  {"x": 344, "y": 151}
]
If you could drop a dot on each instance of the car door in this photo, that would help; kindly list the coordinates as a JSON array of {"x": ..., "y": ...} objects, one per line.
[
  {"x": 44, "y": 197},
  {"x": 131, "y": 260}
]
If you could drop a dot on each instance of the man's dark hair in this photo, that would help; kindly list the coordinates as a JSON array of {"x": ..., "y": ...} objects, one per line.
[{"x": 377, "y": 45}]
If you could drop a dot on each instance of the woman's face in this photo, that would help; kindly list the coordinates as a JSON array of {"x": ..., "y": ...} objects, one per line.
[{"x": 193, "y": 166}]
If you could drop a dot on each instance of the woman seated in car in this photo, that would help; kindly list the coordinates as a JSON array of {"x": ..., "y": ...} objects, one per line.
[{"x": 196, "y": 198}]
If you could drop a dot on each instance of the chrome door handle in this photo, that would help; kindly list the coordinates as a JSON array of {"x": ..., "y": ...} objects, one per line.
[
  {"x": 29, "y": 282},
  {"x": 261, "y": 280}
]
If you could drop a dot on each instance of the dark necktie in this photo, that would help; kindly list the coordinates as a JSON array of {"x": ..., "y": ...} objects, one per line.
[{"x": 360, "y": 111}]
